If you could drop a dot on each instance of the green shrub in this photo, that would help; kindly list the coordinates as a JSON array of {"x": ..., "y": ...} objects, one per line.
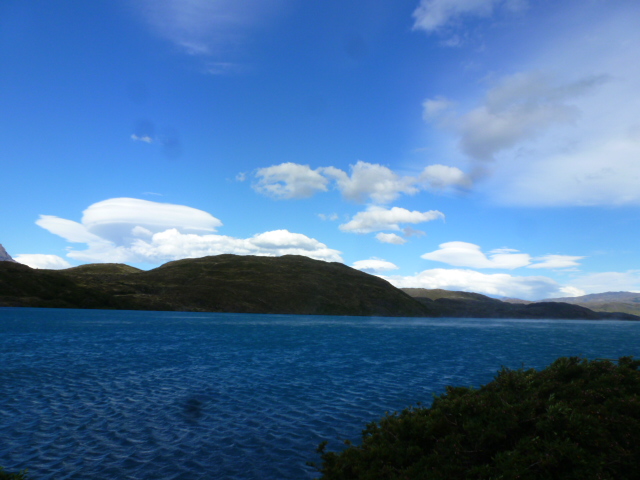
[
  {"x": 576, "y": 419},
  {"x": 12, "y": 476}
]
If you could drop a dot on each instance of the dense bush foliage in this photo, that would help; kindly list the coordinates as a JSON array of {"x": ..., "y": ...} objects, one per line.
[
  {"x": 12, "y": 476},
  {"x": 576, "y": 419}
]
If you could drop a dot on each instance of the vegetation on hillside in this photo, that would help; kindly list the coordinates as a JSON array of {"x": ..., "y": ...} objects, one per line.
[
  {"x": 223, "y": 283},
  {"x": 474, "y": 305},
  {"x": 290, "y": 284},
  {"x": 13, "y": 476},
  {"x": 576, "y": 419}
]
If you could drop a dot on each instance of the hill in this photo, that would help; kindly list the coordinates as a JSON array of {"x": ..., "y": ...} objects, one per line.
[
  {"x": 250, "y": 284},
  {"x": 474, "y": 305},
  {"x": 223, "y": 283},
  {"x": 627, "y": 302}
]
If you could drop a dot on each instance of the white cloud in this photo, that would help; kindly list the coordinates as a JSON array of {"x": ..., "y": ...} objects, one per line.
[
  {"x": 290, "y": 180},
  {"x": 520, "y": 107},
  {"x": 628, "y": 281},
  {"x": 367, "y": 181},
  {"x": 204, "y": 27},
  {"x": 137, "y": 231},
  {"x": 463, "y": 254},
  {"x": 331, "y": 217},
  {"x": 564, "y": 130},
  {"x": 142, "y": 138},
  {"x": 390, "y": 238},
  {"x": 434, "y": 107},
  {"x": 39, "y": 260},
  {"x": 115, "y": 219},
  {"x": 373, "y": 181},
  {"x": 374, "y": 265},
  {"x": 438, "y": 177},
  {"x": 497, "y": 284},
  {"x": 378, "y": 218},
  {"x": 68, "y": 229},
  {"x": 432, "y": 15},
  {"x": 600, "y": 172},
  {"x": 556, "y": 261}
]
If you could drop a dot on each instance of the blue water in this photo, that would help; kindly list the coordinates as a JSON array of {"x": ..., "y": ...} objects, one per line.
[{"x": 88, "y": 394}]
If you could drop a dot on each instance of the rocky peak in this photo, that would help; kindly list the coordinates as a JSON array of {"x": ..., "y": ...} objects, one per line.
[{"x": 4, "y": 256}]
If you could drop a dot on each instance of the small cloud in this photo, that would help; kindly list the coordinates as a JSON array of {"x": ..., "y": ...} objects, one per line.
[
  {"x": 463, "y": 254},
  {"x": 572, "y": 292},
  {"x": 556, "y": 262},
  {"x": 38, "y": 260},
  {"x": 378, "y": 218},
  {"x": 368, "y": 180},
  {"x": 241, "y": 177},
  {"x": 390, "y": 238},
  {"x": 412, "y": 232},
  {"x": 289, "y": 180},
  {"x": 435, "y": 107},
  {"x": 143, "y": 138},
  {"x": 224, "y": 68},
  {"x": 332, "y": 217},
  {"x": 374, "y": 265}
]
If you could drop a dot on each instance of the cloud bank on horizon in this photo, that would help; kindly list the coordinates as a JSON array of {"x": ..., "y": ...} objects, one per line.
[{"x": 458, "y": 144}]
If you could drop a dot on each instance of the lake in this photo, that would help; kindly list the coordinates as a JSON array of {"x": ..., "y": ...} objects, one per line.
[{"x": 95, "y": 394}]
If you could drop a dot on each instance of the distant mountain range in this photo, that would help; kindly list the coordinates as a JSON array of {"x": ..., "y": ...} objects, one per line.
[
  {"x": 475, "y": 305},
  {"x": 4, "y": 256},
  {"x": 627, "y": 302},
  {"x": 250, "y": 284}
]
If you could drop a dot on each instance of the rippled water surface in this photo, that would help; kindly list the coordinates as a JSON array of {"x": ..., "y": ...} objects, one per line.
[{"x": 88, "y": 394}]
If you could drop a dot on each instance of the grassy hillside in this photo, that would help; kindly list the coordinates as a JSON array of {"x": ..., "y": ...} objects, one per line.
[
  {"x": 473, "y": 305},
  {"x": 250, "y": 284},
  {"x": 223, "y": 283}
]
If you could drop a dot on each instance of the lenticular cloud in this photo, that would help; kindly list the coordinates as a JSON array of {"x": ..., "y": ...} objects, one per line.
[
  {"x": 115, "y": 219},
  {"x": 140, "y": 231}
]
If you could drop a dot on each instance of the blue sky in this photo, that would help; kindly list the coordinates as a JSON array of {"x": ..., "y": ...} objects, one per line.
[{"x": 481, "y": 145}]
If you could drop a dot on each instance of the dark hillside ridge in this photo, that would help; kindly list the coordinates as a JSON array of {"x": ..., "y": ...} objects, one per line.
[
  {"x": 626, "y": 302},
  {"x": 223, "y": 283},
  {"x": 473, "y": 305},
  {"x": 289, "y": 284}
]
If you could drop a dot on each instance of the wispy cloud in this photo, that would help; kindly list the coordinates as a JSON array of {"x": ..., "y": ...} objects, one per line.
[
  {"x": 520, "y": 107},
  {"x": 556, "y": 262},
  {"x": 433, "y": 15},
  {"x": 562, "y": 130},
  {"x": 212, "y": 30}
]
